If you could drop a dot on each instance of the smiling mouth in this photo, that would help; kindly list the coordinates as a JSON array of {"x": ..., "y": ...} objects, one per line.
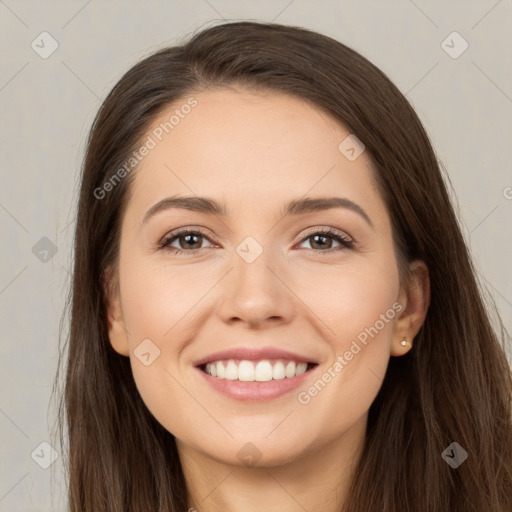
[{"x": 256, "y": 371}]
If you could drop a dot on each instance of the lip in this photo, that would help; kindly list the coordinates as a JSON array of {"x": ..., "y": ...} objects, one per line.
[
  {"x": 254, "y": 354},
  {"x": 256, "y": 391}
]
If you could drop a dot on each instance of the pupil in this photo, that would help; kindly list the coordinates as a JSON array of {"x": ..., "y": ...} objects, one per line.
[{"x": 188, "y": 238}]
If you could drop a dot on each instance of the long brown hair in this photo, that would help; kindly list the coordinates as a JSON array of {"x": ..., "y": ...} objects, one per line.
[{"x": 455, "y": 385}]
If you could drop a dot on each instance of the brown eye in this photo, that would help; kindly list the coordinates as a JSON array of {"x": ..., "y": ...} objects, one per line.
[
  {"x": 188, "y": 241},
  {"x": 322, "y": 241}
]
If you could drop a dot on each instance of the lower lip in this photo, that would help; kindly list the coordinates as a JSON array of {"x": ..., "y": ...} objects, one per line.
[{"x": 256, "y": 391}]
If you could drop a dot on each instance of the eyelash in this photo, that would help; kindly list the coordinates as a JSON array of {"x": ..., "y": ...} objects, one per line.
[{"x": 346, "y": 243}]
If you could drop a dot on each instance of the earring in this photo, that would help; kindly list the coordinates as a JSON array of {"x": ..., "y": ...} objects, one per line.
[{"x": 404, "y": 342}]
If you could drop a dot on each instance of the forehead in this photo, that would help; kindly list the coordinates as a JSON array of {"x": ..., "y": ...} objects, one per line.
[{"x": 245, "y": 147}]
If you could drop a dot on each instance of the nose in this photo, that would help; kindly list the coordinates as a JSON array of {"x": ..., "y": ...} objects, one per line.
[{"x": 257, "y": 294}]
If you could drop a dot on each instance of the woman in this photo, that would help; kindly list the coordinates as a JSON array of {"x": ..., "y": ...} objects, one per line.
[{"x": 273, "y": 306}]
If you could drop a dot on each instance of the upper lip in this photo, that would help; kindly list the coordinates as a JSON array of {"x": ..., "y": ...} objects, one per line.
[{"x": 254, "y": 354}]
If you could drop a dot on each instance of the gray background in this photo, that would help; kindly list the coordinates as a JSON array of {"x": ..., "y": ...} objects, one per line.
[{"x": 47, "y": 106}]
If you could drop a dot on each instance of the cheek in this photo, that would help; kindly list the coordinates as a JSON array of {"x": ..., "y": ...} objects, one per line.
[
  {"x": 359, "y": 307},
  {"x": 158, "y": 299},
  {"x": 160, "y": 306},
  {"x": 365, "y": 311},
  {"x": 351, "y": 298}
]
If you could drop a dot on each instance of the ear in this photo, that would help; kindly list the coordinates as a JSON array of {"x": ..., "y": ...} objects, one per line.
[
  {"x": 415, "y": 299},
  {"x": 117, "y": 332}
]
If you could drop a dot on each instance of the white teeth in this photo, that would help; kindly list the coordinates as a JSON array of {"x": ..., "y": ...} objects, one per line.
[
  {"x": 249, "y": 371},
  {"x": 231, "y": 371},
  {"x": 245, "y": 371},
  {"x": 278, "y": 371},
  {"x": 301, "y": 368},
  {"x": 263, "y": 371},
  {"x": 290, "y": 369}
]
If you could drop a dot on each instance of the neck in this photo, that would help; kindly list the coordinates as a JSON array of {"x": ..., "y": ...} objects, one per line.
[{"x": 318, "y": 479}]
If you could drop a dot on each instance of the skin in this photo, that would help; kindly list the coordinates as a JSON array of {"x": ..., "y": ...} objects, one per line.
[{"x": 254, "y": 151}]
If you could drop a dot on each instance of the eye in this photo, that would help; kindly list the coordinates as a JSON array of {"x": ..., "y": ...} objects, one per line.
[
  {"x": 320, "y": 239},
  {"x": 189, "y": 241}
]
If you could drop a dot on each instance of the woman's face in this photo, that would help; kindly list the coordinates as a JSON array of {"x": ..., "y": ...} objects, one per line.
[{"x": 261, "y": 279}]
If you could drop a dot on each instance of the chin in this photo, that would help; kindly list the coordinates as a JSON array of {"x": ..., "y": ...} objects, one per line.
[{"x": 257, "y": 450}]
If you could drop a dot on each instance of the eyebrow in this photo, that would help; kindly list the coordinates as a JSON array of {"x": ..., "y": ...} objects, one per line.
[{"x": 295, "y": 207}]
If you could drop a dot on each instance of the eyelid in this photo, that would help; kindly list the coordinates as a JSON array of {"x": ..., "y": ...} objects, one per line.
[
  {"x": 309, "y": 231},
  {"x": 327, "y": 230},
  {"x": 181, "y": 231}
]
